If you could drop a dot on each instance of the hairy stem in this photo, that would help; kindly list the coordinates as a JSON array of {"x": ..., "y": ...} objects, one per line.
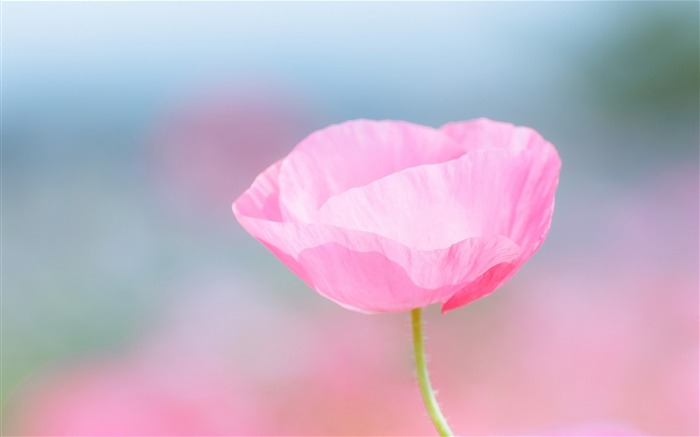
[{"x": 424, "y": 379}]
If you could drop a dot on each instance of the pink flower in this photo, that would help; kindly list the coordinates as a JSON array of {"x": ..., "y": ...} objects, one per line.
[{"x": 386, "y": 216}]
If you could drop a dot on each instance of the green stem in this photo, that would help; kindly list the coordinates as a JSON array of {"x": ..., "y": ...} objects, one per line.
[{"x": 424, "y": 379}]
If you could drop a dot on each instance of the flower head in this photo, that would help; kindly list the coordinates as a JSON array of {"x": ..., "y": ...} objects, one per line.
[{"x": 386, "y": 216}]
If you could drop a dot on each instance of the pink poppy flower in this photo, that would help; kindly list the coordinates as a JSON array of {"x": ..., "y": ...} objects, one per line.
[{"x": 387, "y": 216}]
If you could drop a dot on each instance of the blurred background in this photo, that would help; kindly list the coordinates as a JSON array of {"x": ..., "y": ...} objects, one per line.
[{"x": 134, "y": 304}]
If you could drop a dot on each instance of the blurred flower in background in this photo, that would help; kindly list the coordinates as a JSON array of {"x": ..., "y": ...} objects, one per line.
[
  {"x": 133, "y": 304},
  {"x": 212, "y": 144}
]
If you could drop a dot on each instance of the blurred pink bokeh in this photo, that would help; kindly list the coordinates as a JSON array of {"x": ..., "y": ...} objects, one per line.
[{"x": 211, "y": 143}]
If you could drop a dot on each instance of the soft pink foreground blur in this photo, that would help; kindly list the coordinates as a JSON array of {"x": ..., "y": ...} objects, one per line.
[
  {"x": 389, "y": 216},
  {"x": 504, "y": 370},
  {"x": 200, "y": 372}
]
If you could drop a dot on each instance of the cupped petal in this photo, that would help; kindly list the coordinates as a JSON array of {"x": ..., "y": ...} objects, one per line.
[
  {"x": 352, "y": 154},
  {"x": 370, "y": 273},
  {"x": 486, "y": 192},
  {"x": 425, "y": 207},
  {"x": 371, "y": 282},
  {"x": 533, "y": 182}
]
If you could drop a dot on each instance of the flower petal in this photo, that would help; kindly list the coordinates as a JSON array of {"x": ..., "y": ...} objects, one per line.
[
  {"x": 485, "y": 192},
  {"x": 533, "y": 181},
  {"x": 370, "y": 273},
  {"x": 372, "y": 282},
  {"x": 352, "y": 154}
]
